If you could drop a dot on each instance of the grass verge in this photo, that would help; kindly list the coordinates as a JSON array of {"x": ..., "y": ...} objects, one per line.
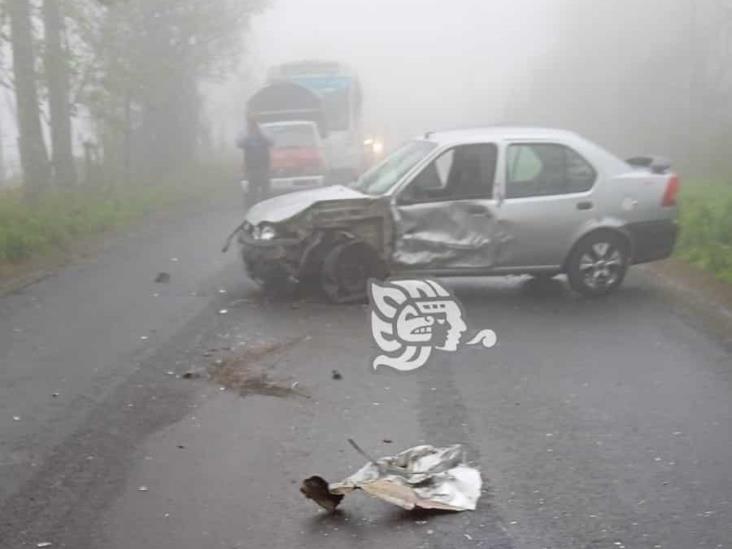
[
  {"x": 59, "y": 219},
  {"x": 706, "y": 227}
]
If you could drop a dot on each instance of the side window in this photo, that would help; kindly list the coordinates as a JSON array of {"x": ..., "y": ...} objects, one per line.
[
  {"x": 464, "y": 172},
  {"x": 543, "y": 169}
]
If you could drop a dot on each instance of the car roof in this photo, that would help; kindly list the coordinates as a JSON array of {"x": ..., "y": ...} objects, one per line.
[
  {"x": 501, "y": 133},
  {"x": 610, "y": 163}
]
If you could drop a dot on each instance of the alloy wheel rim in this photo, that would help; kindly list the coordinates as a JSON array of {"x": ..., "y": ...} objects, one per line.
[{"x": 601, "y": 265}]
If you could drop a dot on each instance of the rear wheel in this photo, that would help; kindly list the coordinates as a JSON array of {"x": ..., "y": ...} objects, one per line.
[
  {"x": 347, "y": 269},
  {"x": 598, "y": 264}
]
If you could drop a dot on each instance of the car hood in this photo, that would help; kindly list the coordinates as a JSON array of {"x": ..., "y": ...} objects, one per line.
[{"x": 281, "y": 208}]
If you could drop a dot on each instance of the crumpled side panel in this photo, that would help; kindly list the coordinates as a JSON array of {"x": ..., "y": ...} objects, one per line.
[{"x": 444, "y": 235}]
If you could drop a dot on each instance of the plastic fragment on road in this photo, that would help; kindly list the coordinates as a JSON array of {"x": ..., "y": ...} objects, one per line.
[
  {"x": 425, "y": 477},
  {"x": 44, "y": 544}
]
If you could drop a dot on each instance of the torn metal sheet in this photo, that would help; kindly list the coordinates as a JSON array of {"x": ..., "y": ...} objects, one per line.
[{"x": 423, "y": 477}]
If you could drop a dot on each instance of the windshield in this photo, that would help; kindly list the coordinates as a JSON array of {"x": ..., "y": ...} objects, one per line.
[
  {"x": 289, "y": 136},
  {"x": 384, "y": 176}
]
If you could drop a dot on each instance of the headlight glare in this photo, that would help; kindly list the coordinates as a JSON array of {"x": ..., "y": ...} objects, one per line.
[{"x": 267, "y": 233}]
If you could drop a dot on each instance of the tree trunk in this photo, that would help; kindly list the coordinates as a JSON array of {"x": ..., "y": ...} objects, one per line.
[
  {"x": 57, "y": 75},
  {"x": 33, "y": 154},
  {"x": 2, "y": 158}
]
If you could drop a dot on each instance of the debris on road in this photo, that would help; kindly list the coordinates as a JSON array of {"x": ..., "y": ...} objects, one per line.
[
  {"x": 422, "y": 477},
  {"x": 193, "y": 374},
  {"x": 224, "y": 311},
  {"x": 316, "y": 489},
  {"x": 44, "y": 544},
  {"x": 337, "y": 375},
  {"x": 142, "y": 489},
  {"x": 239, "y": 372},
  {"x": 163, "y": 278},
  {"x": 16, "y": 418}
]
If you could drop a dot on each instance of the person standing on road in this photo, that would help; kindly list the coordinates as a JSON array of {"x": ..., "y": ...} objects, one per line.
[{"x": 257, "y": 162}]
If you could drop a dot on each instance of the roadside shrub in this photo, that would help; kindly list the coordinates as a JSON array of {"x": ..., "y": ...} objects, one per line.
[
  {"x": 56, "y": 219},
  {"x": 706, "y": 225}
]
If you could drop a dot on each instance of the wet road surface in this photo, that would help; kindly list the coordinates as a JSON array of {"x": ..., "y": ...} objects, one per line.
[{"x": 596, "y": 424}]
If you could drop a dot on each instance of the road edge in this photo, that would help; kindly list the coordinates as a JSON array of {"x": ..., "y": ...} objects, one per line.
[{"x": 707, "y": 296}]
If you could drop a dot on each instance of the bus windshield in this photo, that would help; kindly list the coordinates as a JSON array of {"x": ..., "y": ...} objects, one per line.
[{"x": 382, "y": 178}]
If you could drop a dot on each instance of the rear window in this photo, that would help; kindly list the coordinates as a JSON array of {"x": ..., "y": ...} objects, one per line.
[{"x": 291, "y": 136}]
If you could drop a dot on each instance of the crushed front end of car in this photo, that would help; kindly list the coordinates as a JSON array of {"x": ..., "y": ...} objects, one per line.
[{"x": 333, "y": 237}]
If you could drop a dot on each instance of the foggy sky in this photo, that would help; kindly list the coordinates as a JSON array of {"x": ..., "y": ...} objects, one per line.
[{"x": 424, "y": 64}]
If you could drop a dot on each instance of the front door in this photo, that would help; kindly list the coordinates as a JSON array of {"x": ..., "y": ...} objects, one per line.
[
  {"x": 548, "y": 198},
  {"x": 445, "y": 218}
]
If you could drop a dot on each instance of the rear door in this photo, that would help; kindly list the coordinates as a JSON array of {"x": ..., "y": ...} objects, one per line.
[
  {"x": 445, "y": 218},
  {"x": 548, "y": 197}
]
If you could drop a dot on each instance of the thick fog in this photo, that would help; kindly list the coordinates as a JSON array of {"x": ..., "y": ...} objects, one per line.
[
  {"x": 424, "y": 65},
  {"x": 639, "y": 77}
]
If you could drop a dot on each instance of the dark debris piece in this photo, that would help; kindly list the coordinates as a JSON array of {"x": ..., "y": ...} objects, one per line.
[
  {"x": 337, "y": 375},
  {"x": 162, "y": 278},
  {"x": 316, "y": 489}
]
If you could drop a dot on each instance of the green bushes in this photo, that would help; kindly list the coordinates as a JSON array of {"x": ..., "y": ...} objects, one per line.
[
  {"x": 706, "y": 225},
  {"x": 57, "y": 219}
]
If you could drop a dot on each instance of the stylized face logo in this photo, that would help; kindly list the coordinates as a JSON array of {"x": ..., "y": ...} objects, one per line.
[{"x": 410, "y": 318}]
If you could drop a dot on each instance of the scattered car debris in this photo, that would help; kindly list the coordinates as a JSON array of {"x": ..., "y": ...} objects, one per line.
[
  {"x": 55, "y": 395},
  {"x": 44, "y": 544},
  {"x": 163, "y": 278},
  {"x": 337, "y": 375},
  {"x": 240, "y": 372},
  {"x": 387, "y": 441},
  {"x": 16, "y": 418},
  {"x": 316, "y": 489},
  {"x": 424, "y": 477},
  {"x": 142, "y": 489},
  {"x": 224, "y": 311}
]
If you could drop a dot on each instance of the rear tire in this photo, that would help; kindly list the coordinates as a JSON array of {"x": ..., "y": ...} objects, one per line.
[
  {"x": 598, "y": 264},
  {"x": 347, "y": 269}
]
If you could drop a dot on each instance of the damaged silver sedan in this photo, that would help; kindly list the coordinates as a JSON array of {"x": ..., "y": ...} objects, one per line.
[{"x": 487, "y": 202}]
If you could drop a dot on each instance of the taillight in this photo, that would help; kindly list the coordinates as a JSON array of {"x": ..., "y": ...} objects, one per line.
[{"x": 672, "y": 190}]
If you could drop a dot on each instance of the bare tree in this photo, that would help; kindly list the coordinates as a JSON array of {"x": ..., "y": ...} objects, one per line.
[
  {"x": 33, "y": 153},
  {"x": 57, "y": 78}
]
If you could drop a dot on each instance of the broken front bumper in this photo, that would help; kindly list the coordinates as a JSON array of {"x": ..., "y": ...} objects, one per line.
[{"x": 271, "y": 260}]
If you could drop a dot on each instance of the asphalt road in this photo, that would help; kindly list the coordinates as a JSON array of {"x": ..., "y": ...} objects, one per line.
[{"x": 596, "y": 424}]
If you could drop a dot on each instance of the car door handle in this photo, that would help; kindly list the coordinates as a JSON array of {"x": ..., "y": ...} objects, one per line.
[{"x": 586, "y": 205}]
